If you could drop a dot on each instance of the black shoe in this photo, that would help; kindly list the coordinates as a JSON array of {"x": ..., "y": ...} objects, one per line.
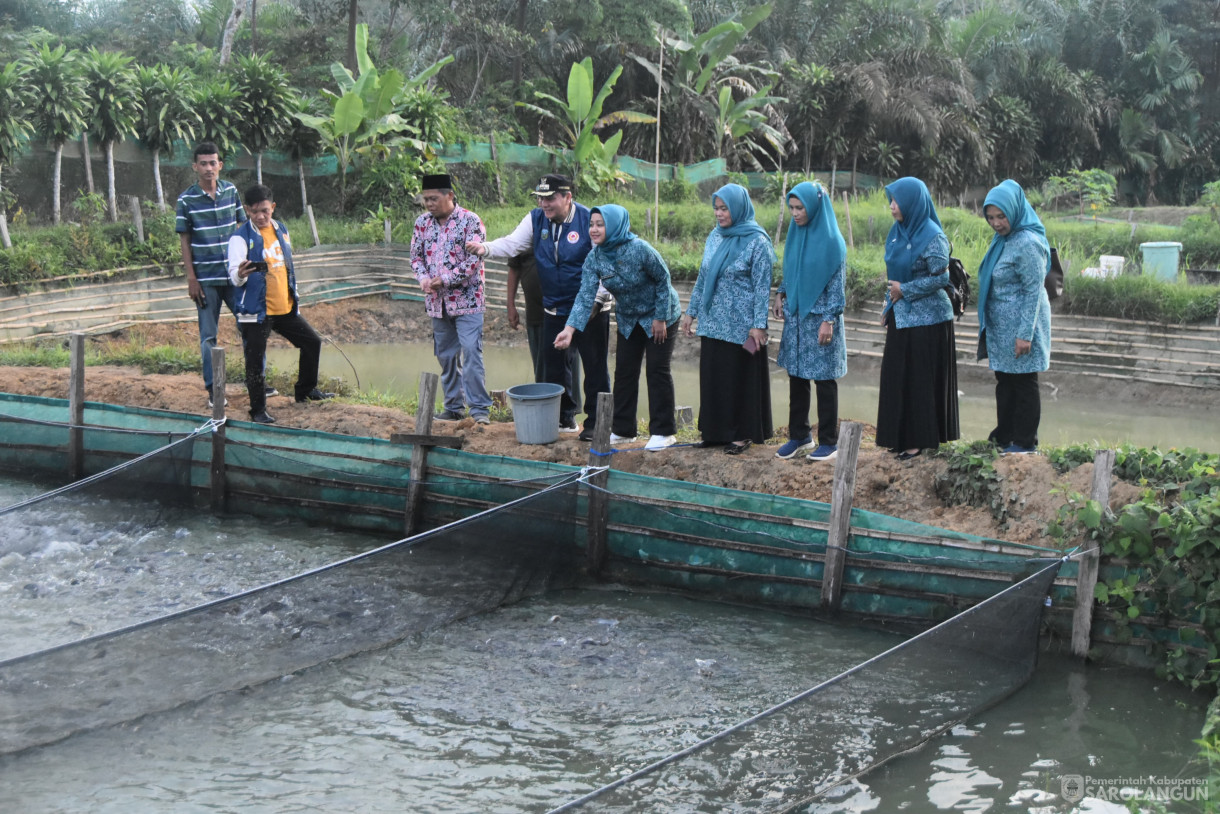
[
  {"x": 315, "y": 395},
  {"x": 586, "y": 434},
  {"x": 906, "y": 456},
  {"x": 450, "y": 415},
  {"x": 262, "y": 418},
  {"x": 270, "y": 391}
]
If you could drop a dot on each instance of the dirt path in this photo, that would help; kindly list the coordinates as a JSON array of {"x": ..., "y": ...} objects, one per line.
[{"x": 883, "y": 484}]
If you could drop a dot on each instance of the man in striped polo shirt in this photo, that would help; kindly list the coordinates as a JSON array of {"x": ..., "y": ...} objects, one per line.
[{"x": 207, "y": 214}]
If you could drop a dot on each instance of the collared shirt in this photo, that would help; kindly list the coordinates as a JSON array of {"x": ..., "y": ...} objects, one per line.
[
  {"x": 439, "y": 250},
  {"x": 209, "y": 222}
]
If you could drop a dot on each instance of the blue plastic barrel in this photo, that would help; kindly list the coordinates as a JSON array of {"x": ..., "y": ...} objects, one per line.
[{"x": 1161, "y": 259}]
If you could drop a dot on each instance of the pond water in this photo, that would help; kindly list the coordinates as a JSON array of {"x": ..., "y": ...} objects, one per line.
[
  {"x": 1075, "y": 414},
  {"x": 518, "y": 710}
]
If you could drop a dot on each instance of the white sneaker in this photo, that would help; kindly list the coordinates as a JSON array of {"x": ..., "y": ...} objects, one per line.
[
  {"x": 620, "y": 439},
  {"x": 657, "y": 442}
]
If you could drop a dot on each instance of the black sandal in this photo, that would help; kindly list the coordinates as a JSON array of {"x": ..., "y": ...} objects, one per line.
[
  {"x": 738, "y": 447},
  {"x": 906, "y": 456}
]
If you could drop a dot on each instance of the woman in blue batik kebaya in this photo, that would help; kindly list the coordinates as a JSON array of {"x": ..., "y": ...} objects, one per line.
[
  {"x": 1015, "y": 315},
  {"x": 810, "y": 301},
  {"x": 730, "y": 300},
  {"x": 917, "y": 403},
  {"x": 647, "y": 311}
]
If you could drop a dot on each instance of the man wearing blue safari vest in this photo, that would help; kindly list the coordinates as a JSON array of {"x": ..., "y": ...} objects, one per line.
[{"x": 558, "y": 233}]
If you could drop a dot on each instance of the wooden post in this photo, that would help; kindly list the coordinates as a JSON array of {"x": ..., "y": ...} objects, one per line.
[
  {"x": 783, "y": 206},
  {"x": 388, "y": 236},
  {"x": 313, "y": 225},
  {"x": 656, "y": 156},
  {"x": 137, "y": 217},
  {"x": 495, "y": 162},
  {"x": 842, "y": 496},
  {"x": 1086, "y": 573},
  {"x": 599, "y": 504},
  {"x": 851, "y": 243},
  {"x": 76, "y": 407},
  {"x": 419, "y": 453},
  {"x": 217, "y": 485}
]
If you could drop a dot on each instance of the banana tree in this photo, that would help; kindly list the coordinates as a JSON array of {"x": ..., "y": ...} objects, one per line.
[
  {"x": 363, "y": 118},
  {"x": 580, "y": 116}
]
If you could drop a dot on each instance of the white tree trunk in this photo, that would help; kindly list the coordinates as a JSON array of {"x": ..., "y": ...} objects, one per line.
[
  {"x": 8, "y": 243},
  {"x": 226, "y": 42},
  {"x": 84, "y": 152},
  {"x": 157, "y": 179},
  {"x": 57, "y": 176},
  {"x": 258, "y": 166},
  {"x": 301, "y": 175},
  {"x": 111, "y": 198}
]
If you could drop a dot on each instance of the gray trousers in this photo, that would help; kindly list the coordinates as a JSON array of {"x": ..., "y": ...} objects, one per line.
[{"x": 458, "y": 344}]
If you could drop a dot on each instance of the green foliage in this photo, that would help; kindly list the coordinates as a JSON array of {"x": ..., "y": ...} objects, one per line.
[
  {"x": 59, "y": 96},
  {"x": 1170, "y": 539},
  {"x": 1092, "y": 188},
  {"x": 971, "y": 479},
  {"x": 580, "y": 116},
  {"x": 269, "y": 101},
  {"x": 678, "y": 189},
  {"x": 1140, "y": 297},
  {"x": 15, "y": 96}
]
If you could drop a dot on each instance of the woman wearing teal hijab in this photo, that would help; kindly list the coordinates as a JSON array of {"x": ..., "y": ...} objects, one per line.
[
  {"x": 917, "y": 405},
  {"x": 730, "y": 301},
  {"x": 810, "y": 301},
  {"x": 1015, "y": 315},
  {"x": 647, "y": 313}
]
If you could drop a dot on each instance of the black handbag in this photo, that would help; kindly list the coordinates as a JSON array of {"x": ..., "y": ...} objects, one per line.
[{"x": 1054, "y": 277}]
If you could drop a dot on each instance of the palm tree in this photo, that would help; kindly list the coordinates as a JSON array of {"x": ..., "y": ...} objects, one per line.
[
  {"x": 59, "y": 105},
  {"x": 167, "y": 114},
  {"x": 14, "y": 126},
  {"x": 270, "y": 104},
  {"x": 115, "y": 110},
  {"x": 220, "y": 107}
]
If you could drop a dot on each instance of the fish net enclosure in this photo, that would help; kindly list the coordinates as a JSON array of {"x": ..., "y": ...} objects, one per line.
[
  {"x": 792, "y": 755},
  {"x": 523, "y": 545}
]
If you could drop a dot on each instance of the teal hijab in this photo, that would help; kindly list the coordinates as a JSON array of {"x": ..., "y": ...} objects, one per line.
[
  {"x": 618, "y": 229},
  {"x": 910, "y": 236},
  {"x": 813, "y": 252},
  {"x": 736, "y": 236},
  {"x": 1009, "y": 198}
]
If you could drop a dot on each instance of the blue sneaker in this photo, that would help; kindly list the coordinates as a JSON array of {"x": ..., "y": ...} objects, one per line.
[
  {"x": 791, "y": 448},
  {"x": 824, "y": 452},
  {"x": 1016, "y": 449}
]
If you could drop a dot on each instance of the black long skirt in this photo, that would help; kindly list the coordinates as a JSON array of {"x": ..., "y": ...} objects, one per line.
[
  {"x": 734, "y": 393},
  {"x": 917, "y": 407}
]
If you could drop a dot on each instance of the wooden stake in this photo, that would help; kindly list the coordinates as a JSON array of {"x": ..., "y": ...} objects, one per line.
[
  {"x": 495, "y": 162},
  {"x": 137, "y": 217},
  {"x": 599, "y": 503},
  {"x": 842, "y": 497},
  {"x": 851, "y": 243},
  {"x": 387, "y": 232},
  {"x": 217, "y": 485},
  {"x": 313, "y": 225},
  {"x": 783, "y": 206},
  {"x": 419, "y": 453},
  {"x": 656, "y": 159},
  {"x": 76, "y": 407},
  {"x": 1086, "y": 574}
]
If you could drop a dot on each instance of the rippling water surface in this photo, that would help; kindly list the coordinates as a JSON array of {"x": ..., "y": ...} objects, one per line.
[{"x": 517, "y": 710}]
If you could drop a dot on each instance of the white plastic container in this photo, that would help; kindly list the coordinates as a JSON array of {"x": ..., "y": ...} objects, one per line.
[{"x": 1112, "y": 265}]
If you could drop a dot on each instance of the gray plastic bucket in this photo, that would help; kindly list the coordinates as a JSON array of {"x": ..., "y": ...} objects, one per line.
[{"x": 536, "y": 412}]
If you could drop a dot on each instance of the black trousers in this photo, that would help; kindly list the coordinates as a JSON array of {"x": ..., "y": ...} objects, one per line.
[
  {"x": 296, "y": 330},
  {"x": 828, "y": 410},
  {"x": 593, "y": 346},
  {"x": 1018, "y": 409},
  {"x": 628, "y": 354},
  {"x": 734, "y": 393}
]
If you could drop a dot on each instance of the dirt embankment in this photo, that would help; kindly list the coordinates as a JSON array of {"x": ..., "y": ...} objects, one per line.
[{"x": 883, "y": 484}]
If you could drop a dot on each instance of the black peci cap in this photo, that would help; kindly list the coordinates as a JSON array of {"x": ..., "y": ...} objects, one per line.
[
  {"x": 551, "y": 184},
  {"x": 437, "y": 182}
]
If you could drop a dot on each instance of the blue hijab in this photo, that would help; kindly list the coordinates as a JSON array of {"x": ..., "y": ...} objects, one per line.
[
  {"x": 618, "y": 229},
  {"x": 1009, "y": 198},
  {"x": 910, "y": 236},
  {"x": 813, "y": 252},
  {"x": 736, "y": 236}
]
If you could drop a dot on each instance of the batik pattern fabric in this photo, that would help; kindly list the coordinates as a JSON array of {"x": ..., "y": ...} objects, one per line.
[
  {"x": 742, "y": 292},
  {"x": 439, "y": 250},
  {"x": 639, "y": 280},
  {"x": 799, "y": 351}
]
